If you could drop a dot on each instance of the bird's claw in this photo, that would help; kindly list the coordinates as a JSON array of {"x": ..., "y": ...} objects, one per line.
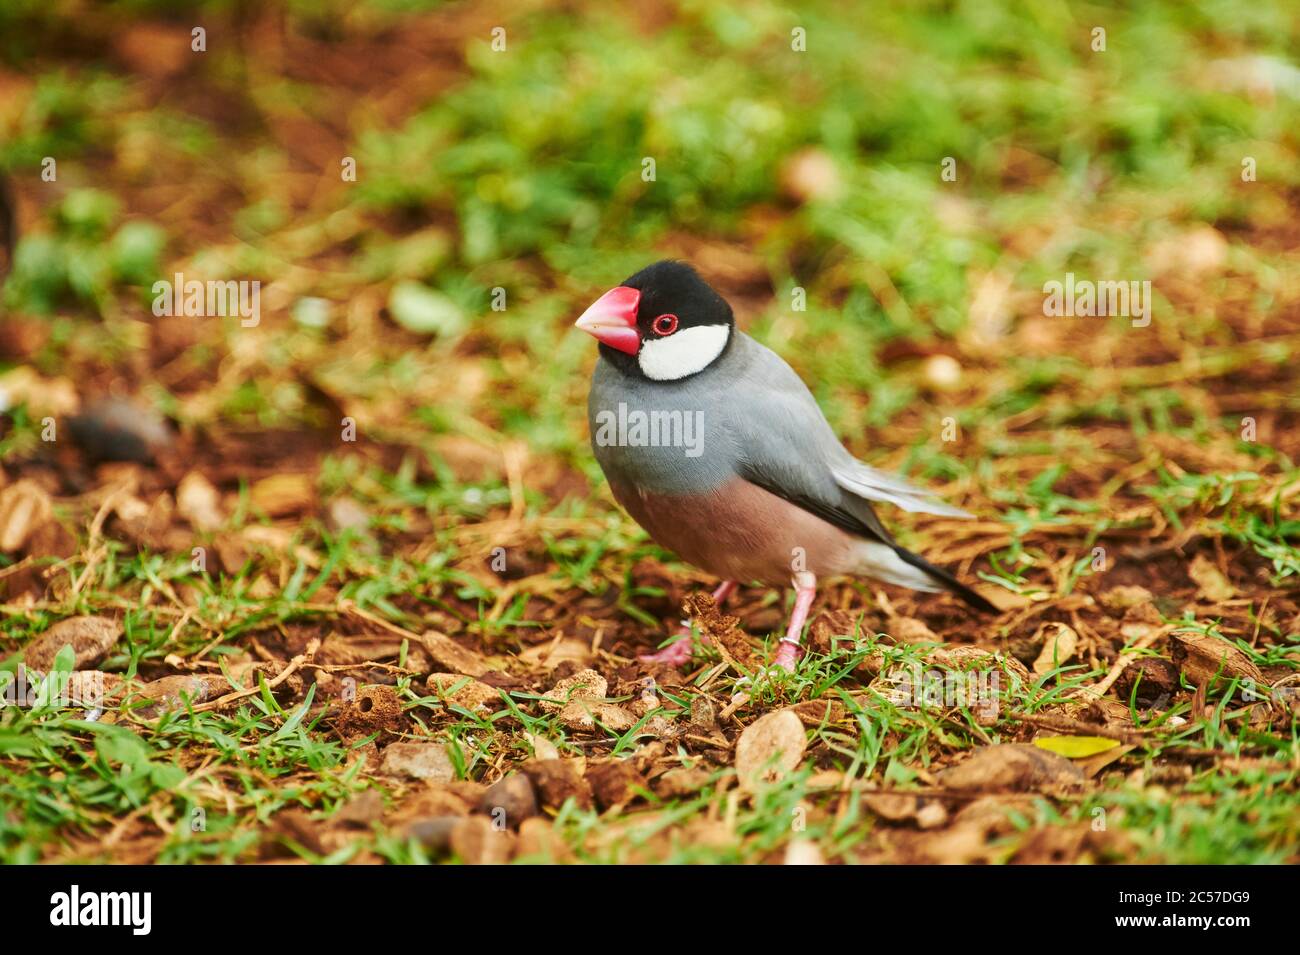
[
  {"x": 678, "y": 653},
  {"x": 785, "y": 656},
  {"x": 675, "y": 654}
]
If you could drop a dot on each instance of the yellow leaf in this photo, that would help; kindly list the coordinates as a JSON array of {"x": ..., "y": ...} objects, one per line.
[{"x": 1075, "y": 747}]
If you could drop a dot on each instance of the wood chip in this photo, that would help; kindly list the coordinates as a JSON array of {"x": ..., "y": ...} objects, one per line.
[
  {"x": 1206, "y": 660},
  {"x": 447, "y": 652}
]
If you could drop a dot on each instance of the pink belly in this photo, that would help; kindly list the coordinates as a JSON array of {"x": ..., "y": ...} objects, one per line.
[{"x": 742, "y": 532}]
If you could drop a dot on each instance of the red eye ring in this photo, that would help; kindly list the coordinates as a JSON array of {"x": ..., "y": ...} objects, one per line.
[{"x": 665, "y": 325}]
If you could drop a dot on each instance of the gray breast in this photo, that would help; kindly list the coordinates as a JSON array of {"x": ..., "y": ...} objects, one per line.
[{"x": 665, "y": 437}]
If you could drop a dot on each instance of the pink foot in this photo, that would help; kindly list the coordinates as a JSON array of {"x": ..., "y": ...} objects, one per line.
[
  {"x": 785, "y": 656},
  {"x": 788, "y": 650},
  {"x": 680, "y": 652},
  {"x": 675, "y": 654}
]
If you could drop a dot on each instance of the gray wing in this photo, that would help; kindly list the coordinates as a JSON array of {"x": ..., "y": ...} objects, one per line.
[{"x": 786, "y": 446}]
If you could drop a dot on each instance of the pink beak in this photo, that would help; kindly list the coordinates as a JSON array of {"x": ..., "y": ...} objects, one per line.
[{"x": 611, "y": 319}]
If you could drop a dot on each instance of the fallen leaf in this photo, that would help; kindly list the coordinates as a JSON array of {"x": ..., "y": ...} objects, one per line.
[
  {"x": 340, "y": 650},
  {"x": 911, "y": 630},
  {"x": 1075, "y": 747},
  {"x": 1154, "y": 677},
  {"x": 769, "y": 748},
  {"x": 1058, "y": 647},
  {"x": 966, "y": 658},
  {"x": 1125, "y": 596},
  {"x": 44, "y": 397},
  {"x": 551, "y": 654},
  {"x": 24, "y": 507},
  {"x": 1204, "y": 659},
  {"x": 283, "y": 495},
  {"x": 198, "y": 502},
  {"x": 178, "y": 692},
  {"x": 542, "y": 747},
  {"x": 452, "y": 655},
  {"x": 148, "y": 525},
  {"x": 703, "y": 718},
  {"x": 681, "y": 782},
  {"x": 1095, "y": 764},
  {"x": 91, "y": 639},
  {"x": 894, "y": 807},
  {"x": 1210, "y": 582},
  {"x": 1013, "y": 767},
  {"x": 814, "y": 713},
  {"x": 280, "y": 541}
]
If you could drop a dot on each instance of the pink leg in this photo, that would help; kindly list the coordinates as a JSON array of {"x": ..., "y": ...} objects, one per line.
[
  {"x": 787, "y": 651},
  {"x": 723, "y": 591},
  {"x": 678, "y": 653}
]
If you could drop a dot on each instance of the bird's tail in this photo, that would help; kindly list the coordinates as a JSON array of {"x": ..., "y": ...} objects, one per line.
[{"x": 946, "y": 580}]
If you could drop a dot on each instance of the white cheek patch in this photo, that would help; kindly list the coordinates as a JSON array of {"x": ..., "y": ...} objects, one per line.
[{"x": 682, "y": 353}]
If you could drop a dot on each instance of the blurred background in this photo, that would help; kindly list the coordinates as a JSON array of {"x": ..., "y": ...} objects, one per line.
[{"x": 522, "y": 169}]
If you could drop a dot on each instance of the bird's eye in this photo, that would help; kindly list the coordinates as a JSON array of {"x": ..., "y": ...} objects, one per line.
[{"x": 665, "y": 325}]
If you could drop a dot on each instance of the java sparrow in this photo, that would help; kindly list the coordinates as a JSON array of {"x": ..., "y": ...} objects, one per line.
[{"x": 720, "y": 452}]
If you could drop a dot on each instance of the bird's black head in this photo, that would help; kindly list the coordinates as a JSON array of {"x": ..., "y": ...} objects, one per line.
[{"x": 664, "y": 323}]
